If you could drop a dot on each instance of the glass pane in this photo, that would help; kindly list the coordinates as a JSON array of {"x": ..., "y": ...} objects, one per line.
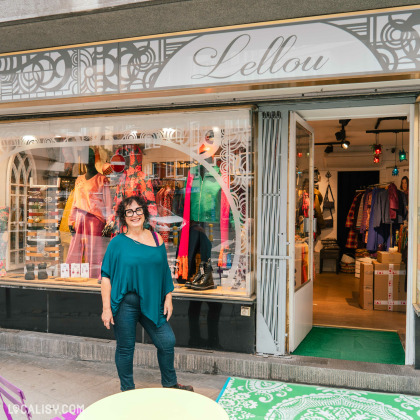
[
  {"x": 21, "y": 177},
  {"x": 16, "y": 162},
  {"x": 13, "y": 180},
  {"x": 200, "y": 160},
  {"x": 304, "y": 204}
]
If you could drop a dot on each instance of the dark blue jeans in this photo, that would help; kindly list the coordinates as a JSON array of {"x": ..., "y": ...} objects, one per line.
[{"x": 125, "y": 322}]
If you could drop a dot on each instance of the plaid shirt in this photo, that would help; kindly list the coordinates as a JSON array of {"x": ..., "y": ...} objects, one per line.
[
  {"x": 352, "y": 236},
  {"x": 350, "y": 216}
]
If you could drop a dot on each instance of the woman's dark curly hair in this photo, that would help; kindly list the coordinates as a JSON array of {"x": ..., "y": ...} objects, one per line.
[{"x": 129, "y": 200}]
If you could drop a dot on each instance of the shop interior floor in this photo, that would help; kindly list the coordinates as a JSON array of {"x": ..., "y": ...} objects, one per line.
[
  {"x": 350, "y": 344},
  {"x": 336, "y": 303}
]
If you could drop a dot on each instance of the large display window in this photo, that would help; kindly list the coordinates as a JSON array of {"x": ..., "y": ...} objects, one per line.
[{"x": 63, "y": 179}]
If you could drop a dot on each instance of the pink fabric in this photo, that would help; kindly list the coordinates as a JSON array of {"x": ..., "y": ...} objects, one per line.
[
  {"x": 224, "y": 219},
  {"x": 393, "y": 201},
  {"x": 93, "y": 196},
  {"x": 185, "y": 232},
  {"x": 87, "y": 242}
]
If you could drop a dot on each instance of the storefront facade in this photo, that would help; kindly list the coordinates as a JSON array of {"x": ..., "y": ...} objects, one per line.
[{"x": 217, "y": 169}]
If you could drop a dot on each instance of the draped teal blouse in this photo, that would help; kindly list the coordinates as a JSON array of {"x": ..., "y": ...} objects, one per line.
[{"x": 143, "y": 269}]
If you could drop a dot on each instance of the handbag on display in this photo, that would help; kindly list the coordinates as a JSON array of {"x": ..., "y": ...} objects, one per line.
[{"x": 329, "y": 203}]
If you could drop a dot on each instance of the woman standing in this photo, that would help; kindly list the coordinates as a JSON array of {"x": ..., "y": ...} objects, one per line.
[{"x": 136, "y": 287}]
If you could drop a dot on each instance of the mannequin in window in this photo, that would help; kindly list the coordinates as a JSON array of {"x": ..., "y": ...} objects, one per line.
[{"x": 89, "y": 212}]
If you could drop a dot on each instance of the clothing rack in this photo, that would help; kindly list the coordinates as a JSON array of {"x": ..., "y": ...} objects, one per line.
[{"x": 382, "y": 184}]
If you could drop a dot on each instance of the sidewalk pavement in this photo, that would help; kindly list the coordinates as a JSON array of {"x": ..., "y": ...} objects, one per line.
[{"x": 59, "y": 385}]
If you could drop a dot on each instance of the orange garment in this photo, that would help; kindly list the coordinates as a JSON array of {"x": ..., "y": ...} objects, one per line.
[
  {"x": 64, "y": 224},
  {"x": 92, "y": 196}
]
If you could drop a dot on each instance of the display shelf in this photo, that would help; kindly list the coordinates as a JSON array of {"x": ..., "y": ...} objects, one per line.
[{"x": 91, "y": 284}]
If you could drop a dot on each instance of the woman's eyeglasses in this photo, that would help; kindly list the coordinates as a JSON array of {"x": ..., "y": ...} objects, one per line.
[{"x": 139, "y": 211}]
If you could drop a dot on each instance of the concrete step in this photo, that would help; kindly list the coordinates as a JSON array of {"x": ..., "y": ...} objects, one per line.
[{"x": 299, "y": 369}]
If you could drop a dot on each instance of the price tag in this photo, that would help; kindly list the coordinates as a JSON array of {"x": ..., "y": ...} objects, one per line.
[
  {"x": 84, "y": 269},
  {"x": 75, "y": 270},
  {"x": 65, "y": 270}
]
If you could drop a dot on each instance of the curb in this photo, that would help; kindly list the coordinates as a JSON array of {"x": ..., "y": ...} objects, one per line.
[{"x": 298, "y": 369}]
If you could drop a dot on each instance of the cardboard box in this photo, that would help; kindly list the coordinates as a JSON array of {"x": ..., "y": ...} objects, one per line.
[
  {"x": 385, "y": 257},
  {"x": 360, "y": 261},
  {"x": 366, "y": 286},
  {"x": 389, "y": 287}
]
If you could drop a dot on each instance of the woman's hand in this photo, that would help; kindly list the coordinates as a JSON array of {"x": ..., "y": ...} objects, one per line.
[
  {"x": 107, "y": 318},
  {"x": 168, "y": 307}
]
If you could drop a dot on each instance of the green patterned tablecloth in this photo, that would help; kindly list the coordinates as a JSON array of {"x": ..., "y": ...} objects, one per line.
[{"x": 268, "y": 400}]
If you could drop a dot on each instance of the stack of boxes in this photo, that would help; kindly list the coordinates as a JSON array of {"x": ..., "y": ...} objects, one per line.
[{"x": 382, "y": 284}]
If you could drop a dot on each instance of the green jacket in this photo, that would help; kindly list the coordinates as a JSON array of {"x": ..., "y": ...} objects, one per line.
[{"x": 205, "y": 197}]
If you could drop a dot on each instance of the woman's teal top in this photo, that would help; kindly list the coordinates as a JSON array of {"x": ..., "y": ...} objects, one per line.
[{"x": 134, "y": 267}]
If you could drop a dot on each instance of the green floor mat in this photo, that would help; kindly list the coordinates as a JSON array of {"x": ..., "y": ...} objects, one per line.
[
  {"x": 268, "y": 400},
  {"x": 348, "y": 344}
]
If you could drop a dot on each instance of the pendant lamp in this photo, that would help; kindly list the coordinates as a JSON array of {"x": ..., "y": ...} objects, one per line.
[
  {"x": 395, "y": 171},
  {"x": 402, "y": 154}
]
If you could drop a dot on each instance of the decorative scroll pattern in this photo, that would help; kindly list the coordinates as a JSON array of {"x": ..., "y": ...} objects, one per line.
[
  {"x": 133, "y": 66},
  {"x": 129, "y": 66},
  {"x": 393, "y": 39},
  {"x": 237, "y": 166}
]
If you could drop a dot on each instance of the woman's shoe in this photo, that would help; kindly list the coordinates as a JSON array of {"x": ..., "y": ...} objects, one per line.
[
  {"x": 30, "y": 272},
  {"x": 197, "y": 277},
  {"x": 42, "y": 271},
  {"x": 184, "y": 387},
  {"x": 206, "y": 281}
]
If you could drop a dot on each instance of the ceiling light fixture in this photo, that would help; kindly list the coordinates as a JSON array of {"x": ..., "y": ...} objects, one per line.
[
  {"x": 341, "y": 135},
  {"x": 329, "y": 149},
  {"x": 345, "y": 144},
  {"x": 376, "y": 159},
  {"x": 377, "y": 148}
]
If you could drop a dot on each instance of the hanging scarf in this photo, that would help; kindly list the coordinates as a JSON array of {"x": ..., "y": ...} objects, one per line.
[{"x": 182, "y": 264}]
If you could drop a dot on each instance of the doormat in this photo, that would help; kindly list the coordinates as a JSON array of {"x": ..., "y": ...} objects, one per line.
[
  {"x": 266, "y": 400},
  {"x": 357, "y": 345}
]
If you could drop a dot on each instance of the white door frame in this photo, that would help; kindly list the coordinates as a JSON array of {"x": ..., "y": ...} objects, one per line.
[
  {"x": 299, "y": 324},
  {"x": 363, "y": 110}
]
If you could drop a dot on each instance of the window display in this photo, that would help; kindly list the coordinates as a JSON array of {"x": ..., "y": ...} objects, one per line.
[{"x": 64, "y": 180}]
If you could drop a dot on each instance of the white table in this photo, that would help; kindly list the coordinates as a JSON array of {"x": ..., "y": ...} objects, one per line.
[{"x": 154, "y": 404}]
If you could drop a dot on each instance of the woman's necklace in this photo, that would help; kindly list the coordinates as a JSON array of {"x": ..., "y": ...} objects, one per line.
[{"x": 135, "y": 240}]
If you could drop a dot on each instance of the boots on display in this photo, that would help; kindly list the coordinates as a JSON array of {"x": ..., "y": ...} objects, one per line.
[
  {"x": 42, "y": 271},
  {"x": 197, "y": 278},
  {"x": 205, "y": 282},
  {"x": 30, "y": 272}
]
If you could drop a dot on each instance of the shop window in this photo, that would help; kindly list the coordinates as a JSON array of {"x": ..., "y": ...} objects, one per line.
[{"x": 82, "y": 168}]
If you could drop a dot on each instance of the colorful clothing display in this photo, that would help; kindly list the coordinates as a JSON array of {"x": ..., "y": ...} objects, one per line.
[
  {"x": 380, "y": 212},
  {"x": 350, "y": 221},
  {"x": 64, "y": 224},
  {"x": 133, "y": 183},
  {"x": 164, "y": 200},
  {"x": 205, "y": 197},
  {"x": 87, "y": 242},
  {"x": 92, "y": 196}
]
